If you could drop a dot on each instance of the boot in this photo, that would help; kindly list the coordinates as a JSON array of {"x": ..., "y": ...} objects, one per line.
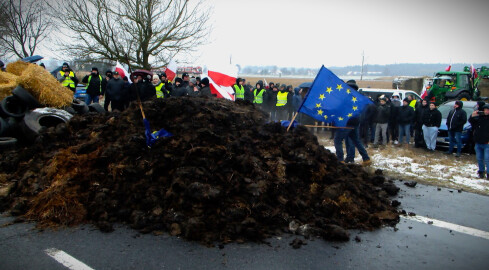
[
  {"x": 482, "y": 174},
  {"x": 366, "y": 162}
]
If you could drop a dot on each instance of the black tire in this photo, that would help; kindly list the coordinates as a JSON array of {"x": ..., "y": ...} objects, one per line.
[
  {"x": 464, "y": 96},
  {"x": 95, "y": 107},
  {"x": 7, "y": 143},
  {"x": 70, "y": 110},
  {"x": 11, "y": 106},
  {"x": 79, "y": 106},
  {"x": 40, "y": 118},
  {"x": 26, "y": 97},
  {"x": 4, "y": 125}
]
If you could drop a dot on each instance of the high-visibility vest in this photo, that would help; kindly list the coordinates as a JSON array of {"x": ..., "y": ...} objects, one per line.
[
  {"x": 159, "y": 93},
  {"x": 68, "y": 82},
  {"x": 239, "y": 91},
  {"x": 90, "y": 78},
  {"x": 258, "y": 98},
  {"x": 413, "y": 104},
  {"x": 282, "y": 98}
]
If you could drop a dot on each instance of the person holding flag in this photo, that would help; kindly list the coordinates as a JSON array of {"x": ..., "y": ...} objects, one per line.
[{"x": 331, "y": 100}]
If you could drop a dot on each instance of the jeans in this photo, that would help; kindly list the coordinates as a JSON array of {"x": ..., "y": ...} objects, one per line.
[
  {"x": 455, "y": 137},
  {"x": 89, "y": 99},
  {"x": 404, "y": 131},
  {"x": 352, "y": 140},
  {"x": 430, "y": 134},
  {"x": 482, "y": 154},
  {"x": 378, "y": 129}
]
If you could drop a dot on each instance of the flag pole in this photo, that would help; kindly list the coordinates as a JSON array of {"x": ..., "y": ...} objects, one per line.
[{"x": 292, "y": 121}]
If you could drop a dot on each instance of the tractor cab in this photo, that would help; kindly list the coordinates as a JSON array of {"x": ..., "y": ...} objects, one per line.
[{"x": 450, "y": 85}]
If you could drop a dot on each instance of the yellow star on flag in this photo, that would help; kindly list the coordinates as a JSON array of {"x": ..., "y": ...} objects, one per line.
[
  {"x": 355, "y": 108},
  {"x": 350, "y": 114},
  {"x": 354, "y": 99},
  {"x": 321, "y": 97},
  {"x": 326, "y": 117},
  {"x": 340, "y": 118},
  {"x": 318, "y": 105},
  {"x": 348, "y": 91},
  {"x": 320, "y": 112},
  {"x": 339, "y": 87},
  {"x": 329, "y": 90}
]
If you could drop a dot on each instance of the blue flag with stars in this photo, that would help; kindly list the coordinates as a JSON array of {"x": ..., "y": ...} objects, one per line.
[{"x": 330, "y": 100}]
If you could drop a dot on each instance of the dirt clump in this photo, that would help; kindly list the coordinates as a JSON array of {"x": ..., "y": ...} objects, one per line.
[{"x": 225, "y": 176}]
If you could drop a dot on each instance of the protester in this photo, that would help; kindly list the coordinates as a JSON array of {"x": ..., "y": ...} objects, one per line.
[
  {"x": 248, "y": 91},
  {"x": 480, "y": 123},
  {"x": 205, "y": 91},
  {"x": 67, "y": 77},
  {"x": 284, "y": 101},
  {"x": 381, "y": 119},
  {"x": 431, "y": 124},
  {"x": 259, "y": 95},
  {"x": 143, "y": 88},
  {"x": 115, "y": 92},
  {"x": 193, "y": 89},
  {"x": 178, "y": 89},
  {"x": 271, "y": 101},
  {"x": 239, "y": 91},
  {"x": 352, "y": 140},
  {"x": 393, "y": 125},
  {"x": 167, "y": 84},
  {"x": 93, "y": 86},
  {"x": 456, "y": 120},
  {"x": 185, "y": 79},
  {"x": 159, "y": 87},
  {"x": 404, "y": 119},
  {"x": 108, "y": 77},
  {"x": 418, "y": 124}
]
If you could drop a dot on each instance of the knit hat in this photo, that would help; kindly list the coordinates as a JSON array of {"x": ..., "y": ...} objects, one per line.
[
  {"x": 155, "y": 77},
  {"x": 65, "y": 64},
  {"x": 406, "y": 99},
  {"x": 178, "y": 80},
  {"x": 193, "y": 81},
  {"x": 459, "y": 103},
  {"x": 205, "y": 81},
  {"x": 486, "y": 106}
]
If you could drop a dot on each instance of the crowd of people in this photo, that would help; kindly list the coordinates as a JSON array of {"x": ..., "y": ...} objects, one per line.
[{"x": 386, "y": 120}]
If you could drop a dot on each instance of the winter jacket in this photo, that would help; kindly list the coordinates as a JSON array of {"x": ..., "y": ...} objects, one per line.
[
  {"x": 115, "y": 90},
  {"x": 369, "y": 113},
  {"x": 95, "y": 86},
  {"x": 179, "y": 91},
  {"x": 480, "y": 125},
  {"x": 432, "y": 118},
  {"x": 382, "y": 114},
  {"x": 420, "y": 111},
  {"x": 394, "y": 105},
  {"x": 406, "y": 115},
  {"x": 456, "y": 119},
  {"x": 296, "y": 100},
  {"x": 206, "y": 92},
  {"x": 145, "y": 89}
]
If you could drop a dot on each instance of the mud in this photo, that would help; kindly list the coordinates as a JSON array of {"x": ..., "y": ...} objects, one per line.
[{"x": 225, "y": 176}]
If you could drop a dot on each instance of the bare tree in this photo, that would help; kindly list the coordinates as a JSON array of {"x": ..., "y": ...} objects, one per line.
[
  {"x": 149, "y": 32},
  {"x": 25, "y": 25}
]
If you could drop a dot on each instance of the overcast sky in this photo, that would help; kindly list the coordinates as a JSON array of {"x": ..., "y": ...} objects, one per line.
[{"x": 309, "y": 33}]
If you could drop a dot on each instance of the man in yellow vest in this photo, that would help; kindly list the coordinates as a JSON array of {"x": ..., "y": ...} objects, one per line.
[
  {"x": 67, "y": 77},
  {"x": 159, "y": 87},
  {"x": 259, "y": 95},
  {"x": 284, "y": 101},
  {"x": 94, "y": 83},
  {"x": 239, "y": 92}
]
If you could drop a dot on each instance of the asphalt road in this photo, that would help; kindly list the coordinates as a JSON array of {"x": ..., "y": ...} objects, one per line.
[{"x": 411, "y": 245}]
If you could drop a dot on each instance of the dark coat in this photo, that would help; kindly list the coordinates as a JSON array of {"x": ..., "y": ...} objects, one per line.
[
  {"x": 179, "y": 91},
  {"x": 95, "y": 87},
  {"x": 406, "y": 115},
  {"x": 420, "y": 111},
  {"x": 382, "y": 114},
  {"x": 145, "y": 89},
  {"x": 480, "y": 125},
  {"x": 206, "y": 91},
  {"x": 432, "y": 118},
  {"x": 456, "y": 120},
  {"x": 115, "y": 90}
]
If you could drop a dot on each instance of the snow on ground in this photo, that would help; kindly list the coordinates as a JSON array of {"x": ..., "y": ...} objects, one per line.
[{"x": 433, "y": 168}]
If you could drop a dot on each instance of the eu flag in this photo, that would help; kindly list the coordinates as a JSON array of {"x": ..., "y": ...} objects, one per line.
[{"x": 330, "y": 100}]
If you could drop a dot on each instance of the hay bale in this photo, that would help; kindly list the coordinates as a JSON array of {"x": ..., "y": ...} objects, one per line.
[
  {"x": 42, "y": 85},
  {"x": 8, "y": 82},
  {"x": 18, "y": 67}
]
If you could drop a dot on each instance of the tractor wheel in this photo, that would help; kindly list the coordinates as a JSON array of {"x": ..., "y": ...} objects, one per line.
[{"x": 463, "y": 96}]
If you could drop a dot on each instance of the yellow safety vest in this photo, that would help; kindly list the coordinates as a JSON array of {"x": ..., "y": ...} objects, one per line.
[
  {"x": 68, "y": 82},
  {"x": 413, "y": 104},
  {"x": 258, "y": 99},
  {"x": 282, "y": 98},
  {"x": 90, "y": 78},
  {"x": 159, "y": 93},
  {"x": 239, "y": 91}
]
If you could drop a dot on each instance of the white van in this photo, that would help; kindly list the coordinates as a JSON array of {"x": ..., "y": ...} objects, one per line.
[{"x": 375, "y": 92}]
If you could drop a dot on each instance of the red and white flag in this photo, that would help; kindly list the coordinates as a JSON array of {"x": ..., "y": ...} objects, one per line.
[
  {"x": 473, "y": 71},
  {"x": 449, "y": 67},
  {"x": 221, "y": 83},
  {"x": 122, "y": 71},
  {"x": 171, "y": 70},
  {"x": 424, "y": 93}
]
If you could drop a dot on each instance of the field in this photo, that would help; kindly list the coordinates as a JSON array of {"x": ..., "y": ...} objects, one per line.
[{"x": 381, "y": 83}]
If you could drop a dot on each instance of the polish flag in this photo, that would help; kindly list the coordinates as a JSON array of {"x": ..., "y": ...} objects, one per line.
[
  {"x": 221, "y": 83},
  {"x": 122, "y": 71},
  {"x": 449, "y": 67},
  {"x": 473, "y": 71},
  {"x": 424, "y": 93},
  {"x": 171, "y": 70}
]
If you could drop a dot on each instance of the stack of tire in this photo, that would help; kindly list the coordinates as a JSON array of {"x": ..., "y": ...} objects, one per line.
[{"x": 22, "y": 118}]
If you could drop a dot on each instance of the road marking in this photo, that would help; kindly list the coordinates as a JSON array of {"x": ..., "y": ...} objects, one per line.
[
  {"x": 450, "y": 226},
  {"x": 66, "y": 259}
]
